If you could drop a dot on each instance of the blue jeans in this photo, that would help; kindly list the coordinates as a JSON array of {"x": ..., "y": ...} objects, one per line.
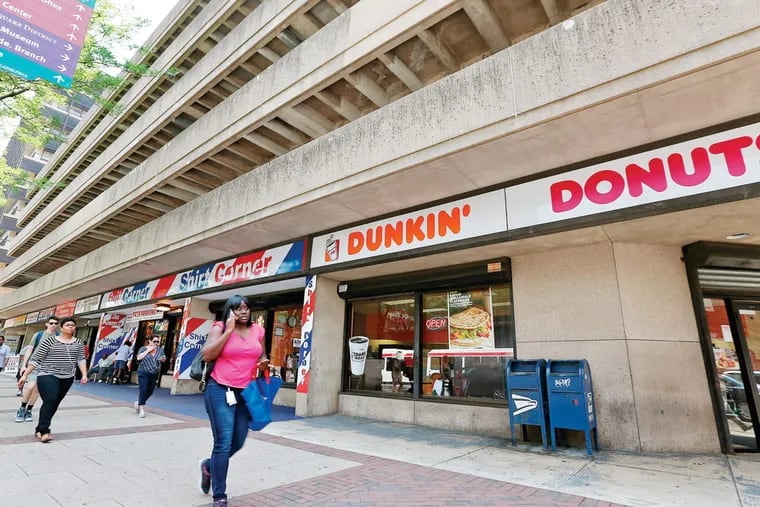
[
  {"x": 229, "y": 425},
  {"x": 147, "y": 383}
]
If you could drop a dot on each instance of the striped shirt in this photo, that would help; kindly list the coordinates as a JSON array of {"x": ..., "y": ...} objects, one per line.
[
  {"x": 53, "y": 357},
  {"x": 149, "y": 363}
]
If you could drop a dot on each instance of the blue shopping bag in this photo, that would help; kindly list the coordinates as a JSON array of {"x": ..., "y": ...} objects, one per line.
[{"x": 259, "y": 396}]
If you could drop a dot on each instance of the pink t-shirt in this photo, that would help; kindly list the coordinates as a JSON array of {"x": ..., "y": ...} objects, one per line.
[{"x": 235, "y": 365}]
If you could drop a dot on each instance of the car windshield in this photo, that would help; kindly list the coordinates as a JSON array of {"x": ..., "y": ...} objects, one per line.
[{"x": 737, "y": 376}]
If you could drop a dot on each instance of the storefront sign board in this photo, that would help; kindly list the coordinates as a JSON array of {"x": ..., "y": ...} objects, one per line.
[
  {"x": 255, "y": 266},
  {"x": 463, "y": 219},
  {"x": 66, "y": 308},
  {"x": 307, "y": 324},
  {"x": 85, "y": 305},
  {"x": 145, "y": 314},
  {"x": 11, "y": 365},
  {"x": 707, "y": 164},
  {"x": 31, "y": 318},
  {"x": 9, "y": 322},
  {"x": 190, "y": 344},
  {"x": 45, "y": 314}
]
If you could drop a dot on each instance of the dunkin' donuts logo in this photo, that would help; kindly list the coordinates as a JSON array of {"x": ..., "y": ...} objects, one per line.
[{"x": 332, "y": 249}]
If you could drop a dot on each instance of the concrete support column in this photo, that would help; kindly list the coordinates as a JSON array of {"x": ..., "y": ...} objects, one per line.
[
  {"x": 673, "y": 405},
  {"x": 567, "y": 306},
  {"x": 626, "y": 308},
  {"x": 326, "y": 352}
]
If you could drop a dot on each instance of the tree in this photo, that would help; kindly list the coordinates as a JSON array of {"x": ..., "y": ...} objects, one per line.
[{"x": 98, "y": 74}]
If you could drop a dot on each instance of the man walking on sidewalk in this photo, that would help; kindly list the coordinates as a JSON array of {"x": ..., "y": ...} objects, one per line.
[{"x": 30, "y": 392}]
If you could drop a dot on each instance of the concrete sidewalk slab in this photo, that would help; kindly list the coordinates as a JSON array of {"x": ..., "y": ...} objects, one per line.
[{"x": 107, "y": 456}]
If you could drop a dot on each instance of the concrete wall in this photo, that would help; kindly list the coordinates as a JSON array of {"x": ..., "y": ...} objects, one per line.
[
  {"x": 626, "y": 309},
  {"x": 448, "y": 416},
  {"x": 326, "y": 352}
]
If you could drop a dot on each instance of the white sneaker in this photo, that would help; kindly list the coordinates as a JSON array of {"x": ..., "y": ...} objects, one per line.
[
  {"x": 137, "y": 408},
  {"x": 142, "y": 413}
]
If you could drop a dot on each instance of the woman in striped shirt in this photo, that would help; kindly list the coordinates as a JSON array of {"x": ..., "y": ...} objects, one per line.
[
  {"x": 56, "y": 359},
  {"x": 150, "y": 358}
]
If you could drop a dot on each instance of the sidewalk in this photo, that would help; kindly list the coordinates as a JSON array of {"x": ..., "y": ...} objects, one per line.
[{"x": 103, "y": 455}]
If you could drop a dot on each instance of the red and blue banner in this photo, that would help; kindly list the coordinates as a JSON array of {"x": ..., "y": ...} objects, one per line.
[
  {"x": 190, "y": 344},
  {"x": 110, "y": 335},
  {"x": 254, "y": 266},
  {"x": 304, "y": 354}
]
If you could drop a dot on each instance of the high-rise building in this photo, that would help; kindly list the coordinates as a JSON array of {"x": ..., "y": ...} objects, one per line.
[
  {"x": 31, "y": 159},
  {"x": 412, "y": 193}
]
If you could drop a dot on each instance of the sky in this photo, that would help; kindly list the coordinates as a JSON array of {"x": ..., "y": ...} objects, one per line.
[{"x": 154, "y": 10}]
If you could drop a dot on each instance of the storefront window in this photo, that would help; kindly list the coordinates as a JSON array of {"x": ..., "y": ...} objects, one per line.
[
  {"x": 381, "y": 347},
  {"x": 466, "y": 339},
  {"x": 286, "y": 342}
]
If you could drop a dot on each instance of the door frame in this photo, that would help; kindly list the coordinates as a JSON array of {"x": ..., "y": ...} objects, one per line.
[
  {"x": 745, "y": 361},
  {"x": 721, "y": 255}
]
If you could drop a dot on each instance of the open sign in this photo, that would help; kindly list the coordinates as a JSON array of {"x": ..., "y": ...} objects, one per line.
[{"x": 436, "y": 323}]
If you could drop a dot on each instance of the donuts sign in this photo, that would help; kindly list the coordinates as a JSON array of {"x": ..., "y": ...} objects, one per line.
[{"x": 716, "y": 162}]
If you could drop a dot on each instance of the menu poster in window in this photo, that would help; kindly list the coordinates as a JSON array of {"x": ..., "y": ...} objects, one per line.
[
  {"x": 283, "y": 335},
  {"x": 471, "y": 319}
]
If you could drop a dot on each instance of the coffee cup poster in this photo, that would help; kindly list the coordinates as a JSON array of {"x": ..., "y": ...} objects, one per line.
[{"x": 470, "y": 316}]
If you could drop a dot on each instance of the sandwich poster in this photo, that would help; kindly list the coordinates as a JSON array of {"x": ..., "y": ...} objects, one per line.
[{"x": 470, "y": 319}]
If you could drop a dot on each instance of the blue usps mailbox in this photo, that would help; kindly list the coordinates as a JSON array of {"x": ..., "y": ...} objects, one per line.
[
  {"x": 571, "y": 399},
  {"x": 526, "y": 392}
]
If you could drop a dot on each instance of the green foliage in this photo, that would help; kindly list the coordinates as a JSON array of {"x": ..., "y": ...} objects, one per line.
[
  {"x": 13, "y": 180},
  {"x": 21, "y": 101}
]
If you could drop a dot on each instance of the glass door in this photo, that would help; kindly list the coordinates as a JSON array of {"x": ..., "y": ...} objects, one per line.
[
  {"x": 735, "y": 334},
  {"x": 747, "y": 316}
]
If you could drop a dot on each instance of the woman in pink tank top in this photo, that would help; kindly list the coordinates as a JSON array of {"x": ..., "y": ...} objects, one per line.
[{"x": 237, "y": 346}]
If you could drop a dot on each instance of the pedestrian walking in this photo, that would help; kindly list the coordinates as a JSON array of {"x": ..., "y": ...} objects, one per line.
[
  {"x": 5, "y": 351},
  {"x": 237, "y": 346},
  {"x": 56, "y": 359},
  {"x": 29, "y": 391},
  {"x": 150, "y": 357},
  {"x": 120, "y": 368}
]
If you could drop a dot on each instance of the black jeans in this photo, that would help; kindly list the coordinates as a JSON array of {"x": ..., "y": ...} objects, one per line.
[
  {"x": 147, "y": 382},
  {"x": 52, "y": 390}
]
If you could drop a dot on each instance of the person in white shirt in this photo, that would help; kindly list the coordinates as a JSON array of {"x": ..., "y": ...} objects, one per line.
[
  {"x": 120, "y": 367},
  {"x": 5, "y": 351}
]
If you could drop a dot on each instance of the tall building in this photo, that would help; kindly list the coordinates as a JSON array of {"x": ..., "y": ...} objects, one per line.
[
  {"x": 32, "y": 158},
  {"x": 413, "y": 193}
]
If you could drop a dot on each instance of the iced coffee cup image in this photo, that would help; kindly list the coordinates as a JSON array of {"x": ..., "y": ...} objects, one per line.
[{"x": 357, "y": 351}]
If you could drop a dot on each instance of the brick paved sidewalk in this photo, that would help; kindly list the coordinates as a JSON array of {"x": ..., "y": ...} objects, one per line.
[{"x": 382, "y": 482}]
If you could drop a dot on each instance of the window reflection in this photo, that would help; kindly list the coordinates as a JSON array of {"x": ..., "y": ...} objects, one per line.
[
  {"x": 388, "y": 325},
  {"x": 466, "y": 339}
]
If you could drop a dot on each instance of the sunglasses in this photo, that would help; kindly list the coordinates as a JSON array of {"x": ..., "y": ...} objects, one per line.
[
  {"x": 52, "y": 323},
  {"x": 156, "y": 341}
]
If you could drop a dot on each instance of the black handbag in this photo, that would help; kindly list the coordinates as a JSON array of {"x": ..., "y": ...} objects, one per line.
[{"x": 200, "y": 370}]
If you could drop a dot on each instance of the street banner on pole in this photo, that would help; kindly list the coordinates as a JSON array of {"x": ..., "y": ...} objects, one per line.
[{"x": 43, "y": 38}]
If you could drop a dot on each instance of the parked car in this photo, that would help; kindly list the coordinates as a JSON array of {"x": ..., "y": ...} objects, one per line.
[{"x": 734, "y": 393}]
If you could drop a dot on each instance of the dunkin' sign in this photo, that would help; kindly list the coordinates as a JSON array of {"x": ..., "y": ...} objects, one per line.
[
  {"x": 716, "y": 162},
  {"x": 463, "y": 219}
]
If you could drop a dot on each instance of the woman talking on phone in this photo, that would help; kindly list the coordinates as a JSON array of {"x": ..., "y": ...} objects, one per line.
[{"x": 237, "y": 346}]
